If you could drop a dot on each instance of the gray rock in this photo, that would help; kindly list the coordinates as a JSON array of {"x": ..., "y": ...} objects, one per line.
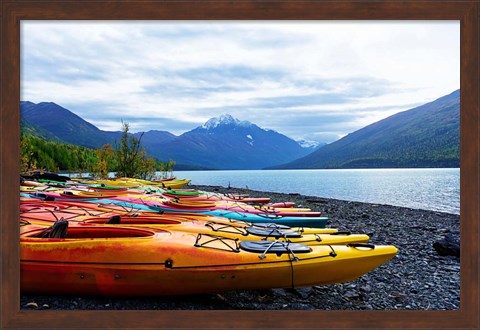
[
  {"x": 351, "y": 295},
  {"x": 449, "y": 245},
  {"x": 304, "y": 292},
  {"x": 366, "y": 288}
]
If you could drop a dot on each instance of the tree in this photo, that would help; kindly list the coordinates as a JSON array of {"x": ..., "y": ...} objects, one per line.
[
  {"x": 147, "y": 167},
  {"x": 170, "y": 164},
  {"x": 27, "y": 154},
  {"x": 128, "y": 155},
  {"x": 105, "y": 156}
]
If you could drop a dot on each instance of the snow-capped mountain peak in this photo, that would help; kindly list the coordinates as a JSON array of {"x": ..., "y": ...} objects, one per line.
[
  {"x": 224, "y": 119},
  {"x": 308, "y": 143}
]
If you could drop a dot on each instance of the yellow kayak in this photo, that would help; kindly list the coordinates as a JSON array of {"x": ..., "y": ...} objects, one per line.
[
  {"x": 132, "y": 182},
  {"x": 125, "y": 261}
]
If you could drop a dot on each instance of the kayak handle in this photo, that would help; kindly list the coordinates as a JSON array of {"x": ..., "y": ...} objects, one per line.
[{"x": 361, "y": 245}]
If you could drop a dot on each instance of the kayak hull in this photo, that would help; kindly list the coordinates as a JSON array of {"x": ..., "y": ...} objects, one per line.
[{"x": 165, "y": 264}]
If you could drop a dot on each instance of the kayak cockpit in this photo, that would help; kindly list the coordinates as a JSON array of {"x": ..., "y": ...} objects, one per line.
[{"x": 60, "y": 230}]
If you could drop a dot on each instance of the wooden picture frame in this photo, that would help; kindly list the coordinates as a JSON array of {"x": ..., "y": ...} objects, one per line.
[{"x": 467, "y": 12}]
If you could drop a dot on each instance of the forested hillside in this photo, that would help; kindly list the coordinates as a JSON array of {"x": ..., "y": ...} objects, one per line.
[
  {"x": 37, "y": 153},
  {"x": 426, "y": 136}
]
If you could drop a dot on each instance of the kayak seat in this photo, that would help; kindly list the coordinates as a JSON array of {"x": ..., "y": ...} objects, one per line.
[
  {"x": 114, "y": 220},
  {"x": 272, "y": 232},
  {"x": 57, "y": 230},
  {"x": 273, "y": 247},
  {"x": 270, "y": 225}
]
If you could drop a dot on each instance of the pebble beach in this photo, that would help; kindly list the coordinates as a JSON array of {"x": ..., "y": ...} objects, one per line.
[{"x": 418, "y": 278}]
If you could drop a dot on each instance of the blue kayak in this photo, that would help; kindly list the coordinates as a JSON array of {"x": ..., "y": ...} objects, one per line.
[{"x": 292, "y": 221}]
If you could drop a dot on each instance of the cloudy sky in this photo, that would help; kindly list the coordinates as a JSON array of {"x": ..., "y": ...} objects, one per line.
[{"x": 312, "y": 80}]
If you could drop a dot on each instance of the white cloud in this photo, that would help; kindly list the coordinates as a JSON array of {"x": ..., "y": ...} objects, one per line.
[{"x": 192, "y": 71}]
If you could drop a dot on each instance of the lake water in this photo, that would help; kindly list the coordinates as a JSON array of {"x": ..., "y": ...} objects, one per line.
[{"x": 429, "y": 189}]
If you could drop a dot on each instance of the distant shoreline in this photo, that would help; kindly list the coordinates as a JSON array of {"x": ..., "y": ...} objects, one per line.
[{"x": 339, "y": 168}]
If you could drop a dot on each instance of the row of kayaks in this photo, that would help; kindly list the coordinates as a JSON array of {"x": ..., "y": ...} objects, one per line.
[
  {"x": 106, "y": 184},
  {"x": 157, "y": 199},
  {"x": 130, "y": 243}
]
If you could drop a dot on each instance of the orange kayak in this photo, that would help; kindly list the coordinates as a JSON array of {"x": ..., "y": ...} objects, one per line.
[{"x": 126, "y": 261}]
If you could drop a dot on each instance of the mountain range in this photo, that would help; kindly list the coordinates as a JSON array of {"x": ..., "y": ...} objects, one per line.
[
  {"x": 426, "y": 136},
  {"x": 225, "y": 142},
  {"x": 220, "y": 143}
]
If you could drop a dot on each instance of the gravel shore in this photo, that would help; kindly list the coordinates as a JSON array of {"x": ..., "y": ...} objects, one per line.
[{"x": 416, "y": 279}]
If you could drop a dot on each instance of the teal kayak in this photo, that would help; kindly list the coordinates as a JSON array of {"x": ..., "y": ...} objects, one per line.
[{"x": 291, "y": 221}]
